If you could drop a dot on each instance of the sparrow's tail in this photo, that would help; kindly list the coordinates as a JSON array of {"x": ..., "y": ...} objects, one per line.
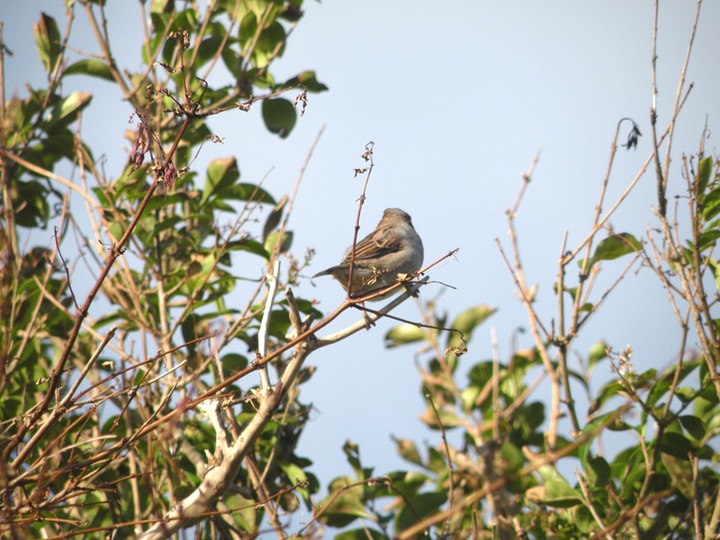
[{"x": 330, "y": 271}]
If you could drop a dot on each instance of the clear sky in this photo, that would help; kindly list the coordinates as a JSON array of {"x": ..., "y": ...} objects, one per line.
[{"x": 458, "y": 97}]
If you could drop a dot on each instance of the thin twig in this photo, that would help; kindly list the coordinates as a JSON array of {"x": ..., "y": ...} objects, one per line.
[
  {"x": 589, "y": 500},
  {"x": 446, "y": 447},
  {"x": 65, "y": 267},
  {"x": 272, "y": 283},
  {"x": 50, "y": 176},
  {"x": 367, "y": 156}
]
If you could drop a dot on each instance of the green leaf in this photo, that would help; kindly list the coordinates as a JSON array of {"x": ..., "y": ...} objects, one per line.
[
  {"x": 676, "y": 445},
  {"x": 361, "y": 534},
  {"x": 209, "y": 46},
  {"x": 220, "y": 184},
  {"x": 189, "y": 327},
  {"x": 471, "y": 318},
  {"x": 272, "y": 240},
  {"x": 558, "y": 492},
  {"x": 232, "y": 61},
  {"x": 16, "y": 123},
  {"x": 59, "y": 143},
  {"x": 185, "y": 19},
  {"x": 232, "y": 363},
  {"x": 613, "y": 247},
  {"x": 344, "y": 503},
  {"x": 403, "y": 335},
  {"x": 693, "y": 425},
  {"x": 47, "y": 40},
  {"x": 466, "y": 322},
  {"x": 408, "y": 451},
  {"x": 352, "y": 452},
  {"x": 704, "y": 408},
  {"x": 703, "y": 176},
  {"x": 710, "y": 204},
  {"x": 609, "y": 390},
  {"x": 90, "y": 67},
  {"x": 680, "y": 471},
  {"x": 629, "y": 468},
  {"x": 530, "y": 417},
  {"x": 512, "y": 457},
  {"x": 279, "y": 116},
  {"x": 404, "y": 482},
  {"x": 266, "y": 44},
  {"x": 249, "y": 245},
  {"x": 419, "y": 506},
  {"x": 610, "y": 420},
  {"x": 597, "y": 353},
  {"x": 162, "y": 6},
  {"x": 295, "y": 474},
  {"x": 708, "y": 238},
  {"x": 221, "y": 173},
  {"x": 69, "y": 109},
  {"x": 583, "y": 520},
  {"x": 660, "y": 387},
  {"x": 306, "y": 79},
  {"x": 273, "y": 220},
  {"x": 598, "y": 471},
  {"x": 32, "y": 205},
  {"x": 247, "y": 192},
  {"x": 715, "y": 268}
]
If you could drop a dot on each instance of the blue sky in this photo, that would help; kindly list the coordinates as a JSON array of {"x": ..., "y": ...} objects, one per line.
[{"x": 458, "y": 97}]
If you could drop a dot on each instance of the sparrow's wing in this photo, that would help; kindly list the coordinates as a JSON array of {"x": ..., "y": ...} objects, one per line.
[{"x": 381, "y": 242}]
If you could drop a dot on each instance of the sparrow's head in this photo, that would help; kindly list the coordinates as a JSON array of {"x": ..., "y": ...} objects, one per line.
[{"x": 396, "y": 213}]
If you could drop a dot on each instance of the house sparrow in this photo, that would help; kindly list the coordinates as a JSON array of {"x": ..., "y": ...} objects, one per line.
[{"x": 393, "y": 248}]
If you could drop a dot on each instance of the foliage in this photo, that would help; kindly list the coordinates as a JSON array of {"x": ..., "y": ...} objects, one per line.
[
  {"x": 127, "y": 411},
  {"x": 523, "y": 468},
  {"x": 91, "y": 436}
]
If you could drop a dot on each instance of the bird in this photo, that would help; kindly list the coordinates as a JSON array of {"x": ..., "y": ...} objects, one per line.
[{"x": 393, "y": 249}]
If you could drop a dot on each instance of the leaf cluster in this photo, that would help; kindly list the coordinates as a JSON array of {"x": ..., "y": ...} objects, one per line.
[{"x": 132, "y": 310}]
